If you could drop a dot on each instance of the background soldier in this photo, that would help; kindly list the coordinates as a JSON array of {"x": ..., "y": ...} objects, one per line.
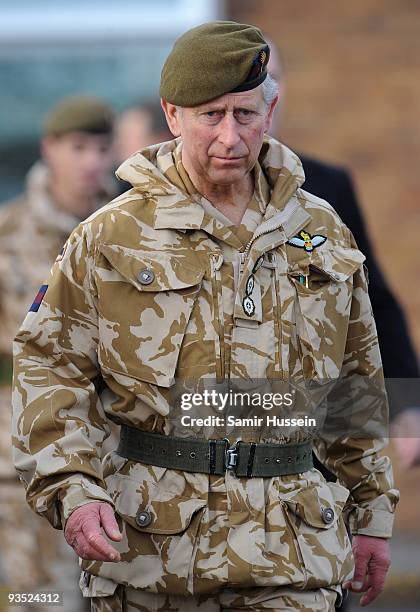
[
  {"x": 216, "y": 265},
  {"x": 138, "y": 127},
  {"x": 65, "y": 187}
]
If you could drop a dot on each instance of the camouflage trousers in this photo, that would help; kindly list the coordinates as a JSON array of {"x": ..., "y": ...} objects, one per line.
[{"x": 255, "y": 599}]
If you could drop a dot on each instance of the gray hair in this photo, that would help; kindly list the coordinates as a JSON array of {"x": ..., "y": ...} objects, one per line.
[{"x": 270, "y": 89}]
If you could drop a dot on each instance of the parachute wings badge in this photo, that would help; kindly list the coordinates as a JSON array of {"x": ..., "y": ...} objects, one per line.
[{"x": 305, "y": 241}]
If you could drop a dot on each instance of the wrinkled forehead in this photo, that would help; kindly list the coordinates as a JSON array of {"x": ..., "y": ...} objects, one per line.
[{"x": 252, "y": 99}]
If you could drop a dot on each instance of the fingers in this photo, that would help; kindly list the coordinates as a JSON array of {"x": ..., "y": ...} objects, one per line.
[
  {"x": 378, "y": 567},
  {"x": 372, "y": 560},
  {"x": 359, "y": 580},
  {"x": 85, "y": 551},
  {"x": 84, "y": 532},
  {"x": 109, "y": 522},
  {"x": 93, "y": 539},
  {"x": 357, "y": 587}
]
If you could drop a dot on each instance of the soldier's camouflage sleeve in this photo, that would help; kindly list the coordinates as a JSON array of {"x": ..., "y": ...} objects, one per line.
[
  {"x": 58, "y": 420},
  {"x": 356, "y": 428}
]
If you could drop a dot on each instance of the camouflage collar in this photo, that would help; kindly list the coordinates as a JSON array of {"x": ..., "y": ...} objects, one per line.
[{"x": 150, "y": 172}]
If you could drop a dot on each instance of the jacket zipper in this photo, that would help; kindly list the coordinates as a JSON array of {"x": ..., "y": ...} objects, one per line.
[{"x": 218, "y": 316}]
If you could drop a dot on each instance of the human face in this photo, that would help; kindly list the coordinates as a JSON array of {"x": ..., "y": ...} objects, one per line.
[
  {"x": 222, "y": 138},
  {"x": 133, "y": 132},
  {"x": 78, "y": 161}
]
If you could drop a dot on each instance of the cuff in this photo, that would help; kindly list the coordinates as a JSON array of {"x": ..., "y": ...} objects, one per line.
[
  {"x": 368, "y": 522},
  {"x": 374, "y": 518},
  {"x": 79, "y": 492}
]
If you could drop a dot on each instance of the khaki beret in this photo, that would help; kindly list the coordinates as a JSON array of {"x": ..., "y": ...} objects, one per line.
[
  {"x": 213, "y": 59},
  {"x": 79, "y": 114}
]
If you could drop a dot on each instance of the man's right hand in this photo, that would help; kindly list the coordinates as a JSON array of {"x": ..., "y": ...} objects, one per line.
[{"x": 84, "y": 532}]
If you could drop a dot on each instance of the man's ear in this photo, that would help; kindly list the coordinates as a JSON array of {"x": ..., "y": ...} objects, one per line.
[
  {"x": 270, "y": 114},
  {"x": 172, "y": 117}
]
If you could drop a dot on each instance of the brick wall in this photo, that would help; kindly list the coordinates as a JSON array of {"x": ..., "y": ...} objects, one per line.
[{"x": 353, "y": 97}]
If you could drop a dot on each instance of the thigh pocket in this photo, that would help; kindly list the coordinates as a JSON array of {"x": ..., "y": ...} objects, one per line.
[
  {"x": 314, "y": 517},
  {"x": 161, "y": 512},
  {"x": 145, "y": 300}
]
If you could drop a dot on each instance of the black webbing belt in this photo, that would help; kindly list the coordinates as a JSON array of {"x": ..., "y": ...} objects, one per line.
[{"x": 215, "y": 456}]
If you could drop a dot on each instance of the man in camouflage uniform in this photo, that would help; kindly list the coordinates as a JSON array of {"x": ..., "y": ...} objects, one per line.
[
  {"x": 215, "y": 269},
  {"x": 61, "y": 190}
]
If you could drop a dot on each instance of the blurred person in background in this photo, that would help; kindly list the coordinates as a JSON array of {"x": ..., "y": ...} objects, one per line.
[
  {"x": 334, "y": 184},
  {"x": 69, "y": 183},
  {"x": 139, "y": 126}
]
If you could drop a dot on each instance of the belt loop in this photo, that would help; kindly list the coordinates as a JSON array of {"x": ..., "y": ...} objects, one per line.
[
  {"x": 250, "y": 459},
  {"x": 212, "y": 456}
]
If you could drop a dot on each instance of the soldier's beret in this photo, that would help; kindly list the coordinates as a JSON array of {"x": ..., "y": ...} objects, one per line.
[
  {"x": 214, "y": 59},
  {"x": 79, "y": 114}
]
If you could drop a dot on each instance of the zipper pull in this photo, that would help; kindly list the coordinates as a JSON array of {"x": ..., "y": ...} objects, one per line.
[{"x": 242, "y": 257}]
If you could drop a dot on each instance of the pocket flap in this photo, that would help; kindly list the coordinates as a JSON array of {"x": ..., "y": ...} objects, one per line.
[
  {"x": 318, "y": 506},
  {"x": 339, "y": 263},
  {"x": 336, "y": 264},
  {"x": 168, "y": 517},
  {"x": 154, "y": 499},
  {"x": 152, "y": 270}
]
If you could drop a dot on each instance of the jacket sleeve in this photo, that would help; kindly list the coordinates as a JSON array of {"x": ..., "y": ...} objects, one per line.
[
  {"x": 355, "y": 432},
  {"x": 58, "y": 420}
]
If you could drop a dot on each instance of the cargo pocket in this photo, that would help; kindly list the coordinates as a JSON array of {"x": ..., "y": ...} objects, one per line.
[
  {"x": 314, "y": 517},
  {"x": 160, "y": 512},
  {"x": 145, "y": 303},
  {"x": 323, "y": 295}
]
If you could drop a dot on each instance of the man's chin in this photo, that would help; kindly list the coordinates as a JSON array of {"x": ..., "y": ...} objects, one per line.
[{"x": 226, "y": 176}]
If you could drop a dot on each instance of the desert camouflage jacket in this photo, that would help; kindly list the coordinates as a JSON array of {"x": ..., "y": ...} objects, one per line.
[{"x": 158, "y": 287}]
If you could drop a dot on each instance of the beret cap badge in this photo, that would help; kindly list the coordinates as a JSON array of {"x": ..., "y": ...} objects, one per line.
[
  {"x": 263, "y": 57},
  {"x": 258, "y": 65}
]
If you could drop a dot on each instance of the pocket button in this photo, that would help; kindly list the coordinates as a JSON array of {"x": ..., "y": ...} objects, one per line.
[
  {"x": 146, "y": 277},
  {"x": 327, "y": 515},
  {"x": 143, "y": 518}
]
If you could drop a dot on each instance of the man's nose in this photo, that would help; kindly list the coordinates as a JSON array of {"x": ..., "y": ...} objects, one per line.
[{"x": 229, "y": 132}]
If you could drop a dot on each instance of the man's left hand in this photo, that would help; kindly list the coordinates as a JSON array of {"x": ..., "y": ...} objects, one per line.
[{"x": 372, "y": 559}]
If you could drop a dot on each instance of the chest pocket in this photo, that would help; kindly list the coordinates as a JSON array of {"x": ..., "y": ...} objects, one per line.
[
  {"x": 145, "y": 300},
  {"x": 323, "y": 284}
]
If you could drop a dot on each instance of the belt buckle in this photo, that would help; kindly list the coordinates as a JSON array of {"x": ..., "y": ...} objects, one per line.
[{"x": 231, "y": 455}]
